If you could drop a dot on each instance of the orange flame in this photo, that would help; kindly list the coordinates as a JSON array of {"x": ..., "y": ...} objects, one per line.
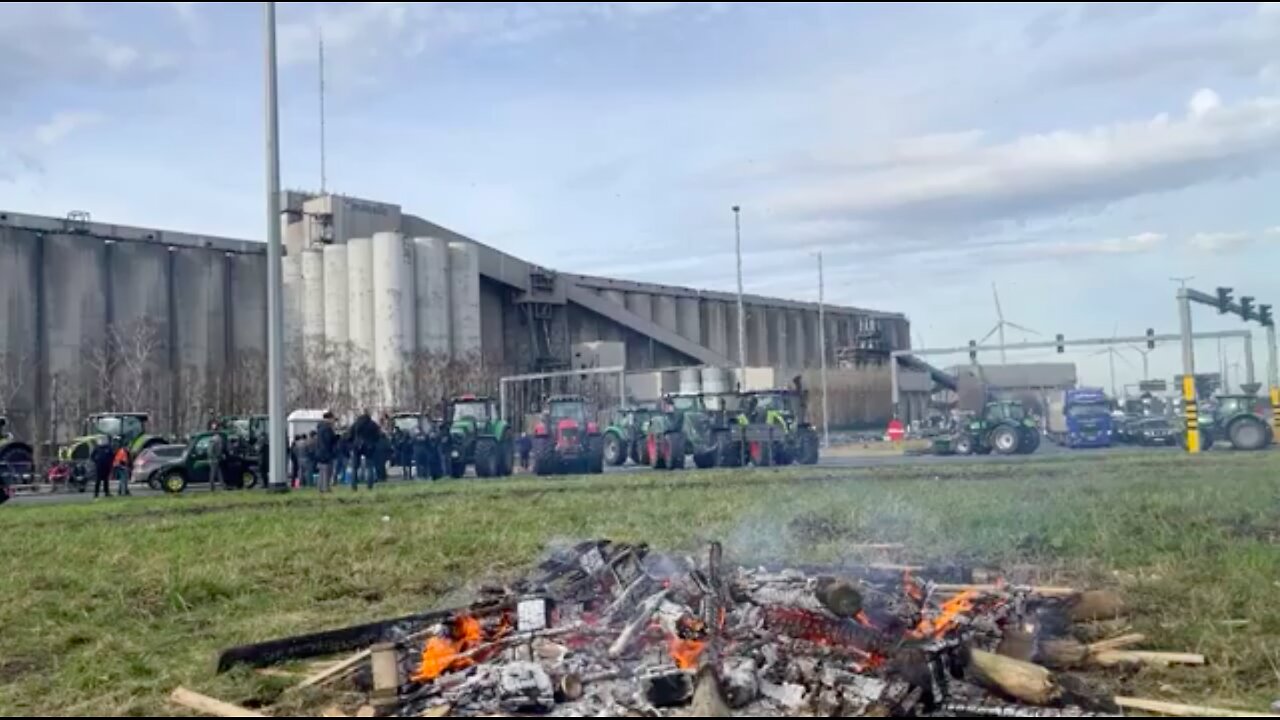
[
  {"x": 443, "y": 655},
  {"x": 911, "y": 587},
  {"x": 686, "y": 653},
  {"x": 948, "y": 615}
]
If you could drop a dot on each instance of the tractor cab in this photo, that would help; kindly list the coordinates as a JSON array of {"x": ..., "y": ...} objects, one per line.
[
  {"x": 1005, "y": 410},
  {"x": 567, "y": 438},
  {"x": 471, "y": 409},
  {"x": 569, "y": 407},
  {"x": 126, "y": 426},
  {"x": 771, "y": 406},
  {"x": 247, "y": 428},
  {"x": 477, "y": 435},
  {"x": 411, "y": 423}
]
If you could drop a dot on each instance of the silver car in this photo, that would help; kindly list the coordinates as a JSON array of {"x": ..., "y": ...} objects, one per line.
[{"x": 147, "y": 464}]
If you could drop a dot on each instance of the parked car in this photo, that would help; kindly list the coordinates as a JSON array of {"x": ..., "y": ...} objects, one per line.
[
  {"x": 1153, "y": 431},
  {"x": 191, "y": 466},
  {"x": 147, "y": 465}
]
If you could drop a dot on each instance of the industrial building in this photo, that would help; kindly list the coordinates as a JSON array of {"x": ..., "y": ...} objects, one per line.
[{"x": 87, "y": 301}]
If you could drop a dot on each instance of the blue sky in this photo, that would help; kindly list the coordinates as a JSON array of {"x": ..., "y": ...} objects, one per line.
[{"x": 1076, "y": 155}]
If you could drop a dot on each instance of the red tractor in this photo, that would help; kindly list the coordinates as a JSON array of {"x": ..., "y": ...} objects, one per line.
[{"x": 566, "y": 440}]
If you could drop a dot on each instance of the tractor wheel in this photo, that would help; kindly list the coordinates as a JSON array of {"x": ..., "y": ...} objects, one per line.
[
  {"x": 1030, "y": 441},
  {"x": 964, "y": 445},
  {"x": 486, "y": 458},
  {"x": 248, "y": 479},
  {"x": 545, "y": 461},
  {"x": 1249, "y": 433},
  {"x": 596, "y": 455},
  {"x": 1005, "y": 440},
  {"x": 153, "y": 482},
  {"x": 781, "y": 454},
  {"x": 507, "y": 457},
  {"x": 706, "y": 459},
  {"x": 174, "y": 482},
  {"x": 675, "y": 451},
  {"x": 615, "y": 453},
  {"x": 16, "y": 460},
  {"x": 808, "y": 447},
  {"x": 457, "y": 467},
  {"x": 731, "y": 454}
]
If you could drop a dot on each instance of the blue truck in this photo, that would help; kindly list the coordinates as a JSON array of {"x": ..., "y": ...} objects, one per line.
[{"x": 1081, "y": 418}]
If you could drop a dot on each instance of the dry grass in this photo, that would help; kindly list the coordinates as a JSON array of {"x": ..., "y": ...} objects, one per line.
[{"x": 109, "y": 606}]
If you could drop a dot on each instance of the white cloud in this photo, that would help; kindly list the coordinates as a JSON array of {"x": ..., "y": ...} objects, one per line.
[
  {"x": 1269, "y": 9},
  {"x": 1131, "y": 245},
  {"x": 63, "y": 124},
  {"x": 1273, "y": 232},
  {"x": 1220, "y": 242},
  {"x": 972, "y": 181},
  {"x": 1204, "y": 102}
]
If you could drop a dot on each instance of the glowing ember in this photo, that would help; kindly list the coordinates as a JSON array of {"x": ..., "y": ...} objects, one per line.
[
  {"x": 443, "y": 655},
  {"x": 686, "y": 653},
  {"x": 948, "y": 616}
]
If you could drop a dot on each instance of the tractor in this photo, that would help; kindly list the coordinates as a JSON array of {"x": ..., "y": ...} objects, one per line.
[
  {"x": 1003, "y": 427},
  {"x": 775, "y": 428},
  {"x": 626, "y": 437},
  {"x": 479, "y": 437},
  {"x": 566, "y": 439},
  {"x": 1238, "y": 419},
  {"x": 74, "y": 466},
  {"x": 710, "y": 426},
  {"x": 249, "y": 428},
  {"x": 16, "y": 459},
  {"x": 239, "y": 470}
]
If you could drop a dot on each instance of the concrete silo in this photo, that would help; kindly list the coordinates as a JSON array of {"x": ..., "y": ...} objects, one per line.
[
  {"x": 360, "y": 305},
  {"x": 291, "y": 275},
  {"x": 464, "y": 283},
  {"x": 394, "y": 326},
  {"x": 337, "y": 316},
  {"x": 431, "y": 271},
  {"x": 313, "y": 302}
]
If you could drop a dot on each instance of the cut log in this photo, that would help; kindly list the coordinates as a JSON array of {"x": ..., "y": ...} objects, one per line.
[
  {"x": 1061, "y": 653},
  {"x": 333, "y": 712},
  {"x": 1111, "y": 658},
  {"x": 1019, "y": 680},
  {"x": 208, "y": 706},
  {"x": 1118, "y": 643},
  {"x": 438, "y": 711},
  {"x": 839, "y": 596},
  {"x": 1093, "y": 605},
  {"x": 1178, "y": 710}
]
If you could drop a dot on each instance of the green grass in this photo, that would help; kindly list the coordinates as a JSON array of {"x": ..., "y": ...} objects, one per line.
[{"x": 106, "y": 607}]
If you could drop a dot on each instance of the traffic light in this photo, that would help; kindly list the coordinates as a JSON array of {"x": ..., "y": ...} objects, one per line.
[
  {"x": 1151, "y": 339},
  {"x": 1224, "y": 300},
  {"x": 1246, "y": 308},
  {"x": 973, "y": 351},
  {"x": 1264, "y": 316},
  {"x": 1062, "y": 347}
]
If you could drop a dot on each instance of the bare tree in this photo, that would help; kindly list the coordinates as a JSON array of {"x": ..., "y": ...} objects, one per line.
[
  {"x": 14, "y": 368},
  {"x": 137, "y": 347},
  {"x": 98, "y": 371},
  {"x": 244, "y": 389}
]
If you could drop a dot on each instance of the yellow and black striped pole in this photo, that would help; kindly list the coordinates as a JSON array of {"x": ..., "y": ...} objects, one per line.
[
  {"x": 1275, "y": 411},
  {"x": 1192, "y": 412}
]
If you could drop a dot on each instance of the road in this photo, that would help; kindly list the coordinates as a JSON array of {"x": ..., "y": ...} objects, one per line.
[{"x": 869, "y": 460}]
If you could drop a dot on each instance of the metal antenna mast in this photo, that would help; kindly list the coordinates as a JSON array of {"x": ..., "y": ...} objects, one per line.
[{"x": 324, "y": 178}]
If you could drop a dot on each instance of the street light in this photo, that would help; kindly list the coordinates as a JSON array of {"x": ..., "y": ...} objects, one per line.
[
  {"x": 277, "y": 440},
  {"x": 742, "y": 315}
]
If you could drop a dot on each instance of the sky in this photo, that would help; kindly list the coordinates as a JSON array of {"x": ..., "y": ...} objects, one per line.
[{"x": 1076, "y": 156}]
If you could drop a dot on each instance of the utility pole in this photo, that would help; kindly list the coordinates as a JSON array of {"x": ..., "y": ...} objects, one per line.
[
  {"x": 822, "y": 342},
  {"x": 278, "y": 439},
  {"x": 742, "y": 314},
  {"x": 1191, "y": 407},
  {"x": 324, "y": 177}
]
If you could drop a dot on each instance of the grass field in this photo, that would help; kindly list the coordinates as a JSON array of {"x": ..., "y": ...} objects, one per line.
[{"x": 107, "y": 607}]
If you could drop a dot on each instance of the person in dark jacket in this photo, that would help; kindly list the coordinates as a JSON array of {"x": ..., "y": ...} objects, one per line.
[
  {"x": 341, "y": 457},
  {"x": 364, "y": 436},
  {"x": 383, "y": 453},
  {"x": 325, "y": 448},
  {"x": 101, "y": 457},
  {"x": 524, "y": 444}
]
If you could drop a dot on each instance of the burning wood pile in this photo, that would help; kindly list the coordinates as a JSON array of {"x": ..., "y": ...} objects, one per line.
[{"x": 611, "y": 630}]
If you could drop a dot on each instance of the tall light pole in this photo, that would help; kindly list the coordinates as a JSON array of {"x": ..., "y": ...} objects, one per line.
[
  {"x": 822, "y": 344},
  {"x": 742, "y": 314},
  {"x": 275, "y": 295}
]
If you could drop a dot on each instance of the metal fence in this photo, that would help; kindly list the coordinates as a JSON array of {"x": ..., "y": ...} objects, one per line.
[{"x": 522, "y": 396}]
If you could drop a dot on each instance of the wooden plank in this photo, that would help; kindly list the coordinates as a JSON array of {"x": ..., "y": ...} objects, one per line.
[
  {"x": 1109, "y": 658},
  {"x": 1179, "y": 710},
  {"x": 1118, "y": 643},
  {"x": 209, "y": 706},
  {"x": 334, "y": 670},
  {"x": 1045, "y": 590}
]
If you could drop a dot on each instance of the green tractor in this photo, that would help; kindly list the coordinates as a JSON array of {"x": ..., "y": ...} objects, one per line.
[
  {"x": 713, "y": 432},
  {"x": 248, "y": 428},
  {"x": 192, "y": 467},
  {"x": 129, "y": 428},
  {"x": 479, "y": 437},
  {"x": 1238, "y": 419},
  {"x": 1004, "y": 427},
  {"x": 566, "y": 439},
  {"x": 776, "y": 431},
  {"x": 625, "y": 437}
]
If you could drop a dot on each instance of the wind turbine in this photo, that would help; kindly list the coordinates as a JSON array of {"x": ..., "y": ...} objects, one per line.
[{"x": 1001, "y": 325}]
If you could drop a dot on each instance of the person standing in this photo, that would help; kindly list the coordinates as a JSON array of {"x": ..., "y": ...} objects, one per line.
[
  {"x": 341, "y": 458},
  {"x": 364, "y": 443},
  {"x": 100, "y": 458},
  {"x": 217, "y": 450},
  {"x": 120, "y": 469},
  {"x": 325, "y": 447},
  {"x": 525, "y": 445}
]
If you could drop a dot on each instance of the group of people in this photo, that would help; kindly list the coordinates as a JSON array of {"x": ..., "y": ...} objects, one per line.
[
  {"x": 324, "y": 456},
  {"x": 111, "y": 460}
]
